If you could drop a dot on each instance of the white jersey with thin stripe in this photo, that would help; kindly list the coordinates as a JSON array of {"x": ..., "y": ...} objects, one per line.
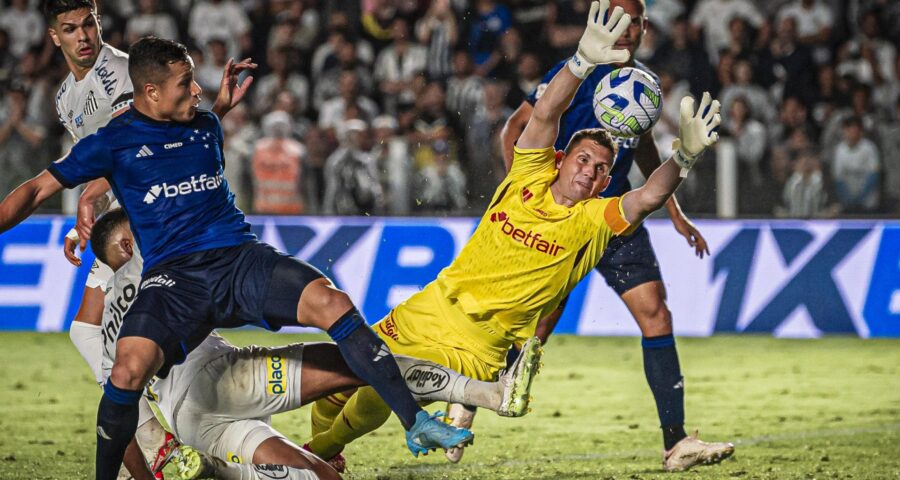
[{"x": 86, "y": 105}]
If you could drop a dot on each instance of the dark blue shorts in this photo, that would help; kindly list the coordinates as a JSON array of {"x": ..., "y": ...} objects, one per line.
[
  {"x": 181, "y": 300},
  {"x": 629, "y": 261}
]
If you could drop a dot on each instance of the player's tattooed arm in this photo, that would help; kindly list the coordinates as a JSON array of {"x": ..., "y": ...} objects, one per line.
[
  {"x": 26, "y": 198},
  {"x": 230, "y": 91}
]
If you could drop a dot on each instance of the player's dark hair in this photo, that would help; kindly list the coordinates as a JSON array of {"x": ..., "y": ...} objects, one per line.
[
  {"x": 149, "y": 59},
  {"x": 53, "y": 8},
  {"x": 103, "y": 230},
  {"x": 598, "y": 135}
]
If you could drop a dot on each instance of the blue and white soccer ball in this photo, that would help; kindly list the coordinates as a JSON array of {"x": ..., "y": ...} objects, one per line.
[{"x": 627, "y": 102}]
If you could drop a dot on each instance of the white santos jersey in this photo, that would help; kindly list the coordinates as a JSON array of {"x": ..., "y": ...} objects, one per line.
[
  {"x": 123, "y": 289},
  {"x": 86, "y": 105}
]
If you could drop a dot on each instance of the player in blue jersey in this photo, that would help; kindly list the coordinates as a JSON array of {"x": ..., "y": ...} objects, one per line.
[
  {"x": 629, "y": 264},
  {"x": 203, "y": 268}
]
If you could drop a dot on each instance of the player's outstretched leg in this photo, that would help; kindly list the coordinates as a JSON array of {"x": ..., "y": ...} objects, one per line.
[
  {"x": 194, "y": 465},
  {"x": 137, "y": 359},
  {"x": 371, "y": 360}
]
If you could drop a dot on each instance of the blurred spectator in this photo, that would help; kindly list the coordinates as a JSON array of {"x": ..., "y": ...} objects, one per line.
[
  {"x": 510, "y": 52},
  {"x": 528, "y": 77},
  {"x": 21, "y": 135},
  {"x": 713, "y": 18},
  {"x": 530, "y": 16},
  {"x": 24, "y": 25},
  {"x": 793, "y": 65},
  {"x": 334, "y": 111},
  {"x": 754, "y": 96},
  {"x": 7, "y": 60},
  {"x": 396, "y": 67},
  {"x": 150, "y": 21},
  {"x": 209, "y": 72},
  {"x": 319, "y": 146},
  {"x": 391, "y": 153},
  {"x": 486, "y": 167},
  {"x": 464, "y": 88},
  {"x": 814, "y": 20},
  {"x": 351, "y": 176},
  {"x": 805, "y": 194},
  {"x": 277, "y": 168},
  {"x": 441, "y": 185},
  {"x": 240, "y": 135},
  {"x": 685, "y": 59},
  {"x": 563, "y": 27},
  {"x": 431, "y": 120},
  {"x": 438, "y": 31},
  {"x": 491, "y": 20},
  {"x": 297, "y": 25},
  {"x": 223, "y": 19},
  {"x": 662, "y": 14},
  {"x": 890, "y": 148},
  {"x": 861, "y": 108},
  {"x": 856, "y": 166},
  {"x": 281, "y": 78},
  {"x": 869, "y": 57},
  {"x": 376, "y": 23},
  {"x": 750, "y": 139},
  {"x": 344, "y": 59}
]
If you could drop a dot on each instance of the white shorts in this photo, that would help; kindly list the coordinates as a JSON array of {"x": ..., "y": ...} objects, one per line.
[{"x": 227, "y": 409}]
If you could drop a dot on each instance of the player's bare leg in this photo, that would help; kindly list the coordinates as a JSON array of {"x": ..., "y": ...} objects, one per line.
[{"x": 647, "y": 304}]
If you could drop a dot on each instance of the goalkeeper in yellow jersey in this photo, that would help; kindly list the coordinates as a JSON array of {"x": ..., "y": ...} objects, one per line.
[{"x": 544, "y": 230}]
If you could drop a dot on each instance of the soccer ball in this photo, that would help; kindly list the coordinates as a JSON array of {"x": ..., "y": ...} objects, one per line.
[{"x": 627, "y": 102}]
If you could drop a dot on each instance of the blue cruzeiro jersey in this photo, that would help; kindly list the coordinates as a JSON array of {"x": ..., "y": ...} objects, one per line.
[
  {"x": 169, "y": 178},
  {"x": 580, "y": 115}
]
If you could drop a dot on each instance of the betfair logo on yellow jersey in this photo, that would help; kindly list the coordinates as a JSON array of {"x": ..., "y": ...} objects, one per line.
[
  {"x": 529, "y": 239},
  {"x": 275, "y": 375}
]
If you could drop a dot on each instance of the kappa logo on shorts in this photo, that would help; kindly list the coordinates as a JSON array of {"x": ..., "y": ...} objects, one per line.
[
  {"x": 161, "y": 280},
  {"x": 423, "y": 379},
  {"x": 275, "y": 375},
  {"x": 271, "y": 471}
]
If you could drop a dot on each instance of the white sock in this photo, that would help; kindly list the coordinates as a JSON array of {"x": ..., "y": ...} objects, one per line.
[{"x": 429, "y": 381}]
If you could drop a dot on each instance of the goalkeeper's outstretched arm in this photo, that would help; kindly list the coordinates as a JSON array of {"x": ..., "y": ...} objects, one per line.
[
  {"x": 595, "y": 48},
  {"x": 696, "y": 131}
]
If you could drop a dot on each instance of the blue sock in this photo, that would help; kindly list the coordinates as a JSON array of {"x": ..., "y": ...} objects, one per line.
[
  {"x": 117, "y": 419},
  {"x": 664, "y": 377},
  {"x": 371, "y": 360}
]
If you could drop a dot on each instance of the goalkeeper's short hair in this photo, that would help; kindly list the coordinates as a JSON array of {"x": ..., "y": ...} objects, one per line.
[{"x": 599, "y": 135}]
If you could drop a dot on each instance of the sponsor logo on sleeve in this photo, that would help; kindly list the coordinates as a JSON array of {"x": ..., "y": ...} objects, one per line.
[{"x": 271, "y": 471}]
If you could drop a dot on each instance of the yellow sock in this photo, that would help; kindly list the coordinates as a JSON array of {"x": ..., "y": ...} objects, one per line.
[
  {"x": 325, "y": 410},
  {"x": 363, "y": 413}
]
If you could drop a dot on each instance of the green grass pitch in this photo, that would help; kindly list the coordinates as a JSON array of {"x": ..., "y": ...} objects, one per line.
[{"x": 803, "y": 409}]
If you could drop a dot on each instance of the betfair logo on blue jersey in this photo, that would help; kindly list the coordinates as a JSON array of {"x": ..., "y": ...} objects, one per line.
[{"x": 196, "y": 184}]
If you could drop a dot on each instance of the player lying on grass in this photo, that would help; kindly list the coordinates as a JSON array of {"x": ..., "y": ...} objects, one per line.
[
  {"x": 164, "y": 160},
  {"x": 221, "y": 399},
  {"x": 544, "y": 230}
]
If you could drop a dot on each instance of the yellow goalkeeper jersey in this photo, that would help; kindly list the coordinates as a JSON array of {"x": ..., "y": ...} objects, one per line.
[{"x": 528, "y": 252}]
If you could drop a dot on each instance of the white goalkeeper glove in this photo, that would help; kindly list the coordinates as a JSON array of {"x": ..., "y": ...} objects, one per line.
[
  {"x": 696, "y": 131},
  {"x": 596, "y": 45}
]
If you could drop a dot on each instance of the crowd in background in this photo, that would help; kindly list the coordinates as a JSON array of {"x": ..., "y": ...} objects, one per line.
[{"x": 394, "y": 107}]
